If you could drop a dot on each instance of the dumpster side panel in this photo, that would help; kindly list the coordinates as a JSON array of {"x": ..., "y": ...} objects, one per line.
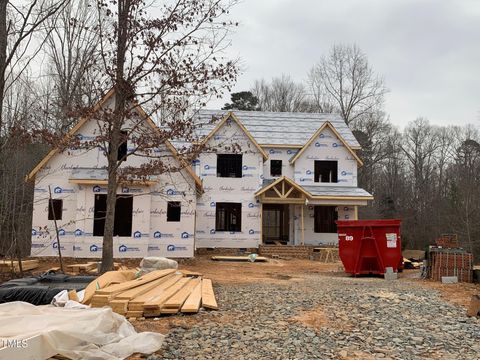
[{"x": 369, "y": 246}]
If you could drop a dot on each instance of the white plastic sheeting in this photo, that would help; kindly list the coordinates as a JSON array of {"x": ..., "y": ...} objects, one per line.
[
  {"x": 88, "y": 334},
  {"x": 152, "y": 263}
]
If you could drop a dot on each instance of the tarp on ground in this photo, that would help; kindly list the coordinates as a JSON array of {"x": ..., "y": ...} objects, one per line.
[{"x": 96, "y": 333}]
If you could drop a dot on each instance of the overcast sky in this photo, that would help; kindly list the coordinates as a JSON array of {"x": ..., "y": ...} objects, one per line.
[{"x": 427, "y": 50}]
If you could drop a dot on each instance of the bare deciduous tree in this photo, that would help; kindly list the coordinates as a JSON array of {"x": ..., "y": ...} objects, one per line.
[
  {"x": 281, "y": 94},
  {"x": 168, "y": 63},
  {"x": 344, "y": 80}
]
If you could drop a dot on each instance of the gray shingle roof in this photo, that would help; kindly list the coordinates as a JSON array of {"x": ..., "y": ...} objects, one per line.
[
  {"x": 336, "y": 191},
  {"x": 279, "y": 128}
]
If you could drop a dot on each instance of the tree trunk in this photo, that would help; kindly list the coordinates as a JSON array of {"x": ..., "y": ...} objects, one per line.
[
  {"x": 3, "y": 56},
  {"x": 107, "y": 251}
]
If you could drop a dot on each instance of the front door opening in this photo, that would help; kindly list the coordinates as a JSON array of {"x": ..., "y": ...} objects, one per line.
[
  {"x": 275, "y": 223},
  {"x": 123, "y": 215}
]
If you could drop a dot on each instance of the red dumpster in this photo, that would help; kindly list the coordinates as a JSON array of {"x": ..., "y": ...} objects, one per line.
[{"x": 369, "y": 246}]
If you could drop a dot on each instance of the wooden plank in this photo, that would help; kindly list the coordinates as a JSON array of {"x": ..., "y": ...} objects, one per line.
[
  {"x": 104, "y": 280},
  {"x": 192, "y": 304},
  {"x": 136, "y": 303},
  {"x": 119, "y": 306},
  {"x": 169, "y": 310},
  {"x": 208, "y": 296},
  {"x": 190, "y": 273},
  {"x": 142, "y": 289},
  {"x": 177, "y": 300},
  {"x": 117, "y": 288},
  {"x": 237, "y": 258},
  {"x": 158, "y": 301}
]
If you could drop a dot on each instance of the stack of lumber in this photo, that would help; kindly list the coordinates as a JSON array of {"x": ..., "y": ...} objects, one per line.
[
  {"x": 83, "y": 268},
  {"x": 8, "y": 265},
  {"x": 158, "y": 292}
]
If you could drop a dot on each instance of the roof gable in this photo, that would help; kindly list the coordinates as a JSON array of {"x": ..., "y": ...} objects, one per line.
[
  {"x": 85, "y": 119},
  {"x": 225, "y": 118},
  {"x": 317, "y": 133}
]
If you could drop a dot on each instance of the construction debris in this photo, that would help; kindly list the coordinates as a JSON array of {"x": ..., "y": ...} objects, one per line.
[
  {"x": 8, "y": 265},
  {"x": 159, "y": 292},
  {"x": 239, "y": 258}
]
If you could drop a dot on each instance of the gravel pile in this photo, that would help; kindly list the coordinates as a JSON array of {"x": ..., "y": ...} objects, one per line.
[{"x": 327, "y": 318}]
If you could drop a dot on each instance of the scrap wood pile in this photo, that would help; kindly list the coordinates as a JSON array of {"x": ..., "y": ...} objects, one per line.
[
  {"x": 9, "y": 265},
  {"x": 158, "y": 292},
  {"x": 90, "y": 268}
]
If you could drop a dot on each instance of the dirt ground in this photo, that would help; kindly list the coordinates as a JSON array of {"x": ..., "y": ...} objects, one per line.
[
  {"x": 225, "y": 272},
  {"x": 274, "y": 271}
]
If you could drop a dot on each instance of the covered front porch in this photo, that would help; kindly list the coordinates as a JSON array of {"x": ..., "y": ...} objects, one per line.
[{"x": 301, "y": 215}]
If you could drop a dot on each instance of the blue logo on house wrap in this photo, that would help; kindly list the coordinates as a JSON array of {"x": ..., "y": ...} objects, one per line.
[
  {"x": 57, "y": 190},
  {"x": 212, "y": 231},
  {"x": 137, "y": 234},
  {"x": 93, "y": 248},
  {"x": 97, "y": 188},
  {"x": 157, "y": 234},
  {"x": 318, "y": 144},
  {"x": 61, "y": 232},
  {"x": 173, "y": 192},
  {"x": 195, "y": 162},
  {"x": 206, "y": 167},
  {"x": 309, "y": 172},
  {"x": 321, "y": 136},
  {"x": 78, "y": 232},
  {"x": 34, "y": 232},
  {"x": 212, "y": 204},
  {"x": 55, "y": 245},
  {"x": 79, "y": 137},
  {"x": 176, "y": 248},
  {"x": 185, "y": 235},
  {"x": 290, "y": 152},
  {"x": 251, "y": 205},
  {"x": 122, "y": 248},
  {"x": 275, "y": 151}
]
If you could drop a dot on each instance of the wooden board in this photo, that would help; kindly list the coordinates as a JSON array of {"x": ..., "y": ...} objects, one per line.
[
  {"x": 82, "y": 267},
  {"x": 142, "y": 289},
  {"x": 110, "y": 277},
  {"x": 192, "y": 304},
  {"x": 117, "y": 288},
  {"x": 177, "y": 300},
  {"x": 208, "y": 296},
  {"x": 238, "y": 258},
  {"x": 136, "y": 304},
  {"x": 158, "y": 301}
]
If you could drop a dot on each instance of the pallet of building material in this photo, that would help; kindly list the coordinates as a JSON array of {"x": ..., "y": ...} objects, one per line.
[
  {"x": 8, "y": 265},
  {"x": 448, "y": 241},
  {"x": 238, "y": 258}
]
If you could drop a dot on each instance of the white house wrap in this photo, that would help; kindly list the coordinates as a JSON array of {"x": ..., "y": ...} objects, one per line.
[{"x": 266, "y": 178}]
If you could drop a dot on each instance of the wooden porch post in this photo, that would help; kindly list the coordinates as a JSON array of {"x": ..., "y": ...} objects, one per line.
[{"x": 303, "y": 226}]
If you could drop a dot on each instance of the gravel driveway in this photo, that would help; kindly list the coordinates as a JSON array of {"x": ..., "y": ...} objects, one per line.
[{"x": 327, "y": 317}]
